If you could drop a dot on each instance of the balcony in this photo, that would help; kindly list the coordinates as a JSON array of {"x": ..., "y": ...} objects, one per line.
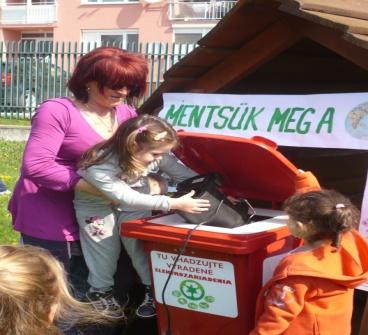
[
  {"x": 193, "y": 10},
  {"x": 39, "y": 12}
]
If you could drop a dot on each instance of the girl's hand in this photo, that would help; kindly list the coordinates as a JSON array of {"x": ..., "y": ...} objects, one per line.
[{"x": 187, "y": 203}]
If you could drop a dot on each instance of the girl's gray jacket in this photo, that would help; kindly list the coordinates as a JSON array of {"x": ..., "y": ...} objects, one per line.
[{"x": 105, "y": 178}]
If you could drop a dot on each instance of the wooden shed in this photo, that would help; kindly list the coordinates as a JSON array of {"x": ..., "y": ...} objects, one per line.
[{"x": 285, "y": 47}]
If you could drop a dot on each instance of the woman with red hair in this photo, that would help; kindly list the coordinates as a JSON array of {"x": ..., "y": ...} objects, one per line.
[{"x": 104, "y": 83}]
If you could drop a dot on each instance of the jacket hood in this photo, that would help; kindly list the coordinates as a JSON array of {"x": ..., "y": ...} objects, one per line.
[{"x": 347, "y": 266}]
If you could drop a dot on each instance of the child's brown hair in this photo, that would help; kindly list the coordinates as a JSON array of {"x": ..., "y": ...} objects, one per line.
[
  {"x": 141, "y": 132},
  {"x": 328, "y": 211}
]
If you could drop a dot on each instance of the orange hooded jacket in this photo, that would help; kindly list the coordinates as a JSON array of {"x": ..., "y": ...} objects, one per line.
[{"x": 311, "y": 291}]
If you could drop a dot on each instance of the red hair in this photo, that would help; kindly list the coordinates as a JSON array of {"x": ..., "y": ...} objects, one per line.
[{"x": 109, "y": 67}]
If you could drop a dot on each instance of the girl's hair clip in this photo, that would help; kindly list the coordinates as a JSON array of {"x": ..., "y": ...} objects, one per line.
[
  {"x": 142, "y": 129},
  {"x": 160, "y": 136},
  {"x": 337, "y": 206}
]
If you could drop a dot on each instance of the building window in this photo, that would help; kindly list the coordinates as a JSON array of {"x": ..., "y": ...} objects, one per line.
[
  {"x": 25, "y": 2},
  {"x": 189, "y": 35},
  {"x": 40, "y": 41},
  {"x": 43, "y": 2},
  {"x": 126, "y": 39},
  {"x": 38, "y": 36},
  {"x": 111, "y": 39}
]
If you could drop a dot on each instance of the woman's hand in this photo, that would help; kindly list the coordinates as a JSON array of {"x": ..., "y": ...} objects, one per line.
[{"x": 187, "y": 203}]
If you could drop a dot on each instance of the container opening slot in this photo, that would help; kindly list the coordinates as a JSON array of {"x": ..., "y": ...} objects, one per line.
[{"x": 257, "y": 218}]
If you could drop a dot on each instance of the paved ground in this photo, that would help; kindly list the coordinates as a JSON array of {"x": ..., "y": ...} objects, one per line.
[
  {"x": 148, "y": 327},
  {"x": 14, "y": 133}
]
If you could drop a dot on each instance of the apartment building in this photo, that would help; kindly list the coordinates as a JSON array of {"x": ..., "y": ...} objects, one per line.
[{"x": 120, "y": 21}]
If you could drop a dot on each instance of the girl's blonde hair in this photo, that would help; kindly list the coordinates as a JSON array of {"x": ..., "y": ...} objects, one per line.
[
  {"x": 32, "y": 282},
  {"x": 142, "y": 132}
]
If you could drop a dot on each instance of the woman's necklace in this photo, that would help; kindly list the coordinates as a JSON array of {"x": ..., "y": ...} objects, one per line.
[{"x": 108, "y": 121}]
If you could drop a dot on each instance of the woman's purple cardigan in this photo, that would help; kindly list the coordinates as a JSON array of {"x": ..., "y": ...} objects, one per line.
[{"x": 42, "y": 201}]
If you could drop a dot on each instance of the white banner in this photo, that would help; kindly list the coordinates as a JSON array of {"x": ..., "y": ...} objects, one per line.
[{"x": 318, "y": 120}]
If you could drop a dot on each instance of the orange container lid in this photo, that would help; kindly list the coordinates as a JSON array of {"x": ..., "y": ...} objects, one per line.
[{"x": 251, "y": 168}]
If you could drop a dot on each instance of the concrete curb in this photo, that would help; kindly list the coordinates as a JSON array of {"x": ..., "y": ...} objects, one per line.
[{"x": 14, "y": 133}]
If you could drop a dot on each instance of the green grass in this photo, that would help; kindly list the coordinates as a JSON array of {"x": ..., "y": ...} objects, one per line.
[
  {"x": 10, "y": 159},
  {"x": 14, "y": 122}
]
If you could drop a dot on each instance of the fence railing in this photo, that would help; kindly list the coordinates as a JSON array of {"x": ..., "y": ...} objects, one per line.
[
  {"x": 33, "y": 72},
  {"x": 24, "y": 13},
  {"x": 199, "y": 10}
]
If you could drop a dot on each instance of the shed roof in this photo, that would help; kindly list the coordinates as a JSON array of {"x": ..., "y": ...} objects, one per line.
[{"x": 256, "y": 31}]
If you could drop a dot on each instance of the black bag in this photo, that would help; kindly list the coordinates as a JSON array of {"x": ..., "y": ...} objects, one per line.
[{"x": 222, "y": 213}]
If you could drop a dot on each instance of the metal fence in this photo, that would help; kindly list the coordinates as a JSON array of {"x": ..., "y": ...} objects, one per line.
[{"x": 33, "y": 72}]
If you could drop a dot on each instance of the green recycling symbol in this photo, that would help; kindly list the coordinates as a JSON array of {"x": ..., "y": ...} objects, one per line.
[{"x": 192, "y": 294}]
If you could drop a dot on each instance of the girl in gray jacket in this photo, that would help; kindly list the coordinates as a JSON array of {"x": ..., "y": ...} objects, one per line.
[{"x": 119, "y": 169}]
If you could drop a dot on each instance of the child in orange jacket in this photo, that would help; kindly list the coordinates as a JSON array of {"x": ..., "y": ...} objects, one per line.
[{"x": 311, "y": 291}]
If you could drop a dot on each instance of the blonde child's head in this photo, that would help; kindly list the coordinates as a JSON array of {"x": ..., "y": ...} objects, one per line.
[
  {"x": 321, "y": 215},
  {"x": 135, "y": 137},
  {"x": 34, "y": 292}
]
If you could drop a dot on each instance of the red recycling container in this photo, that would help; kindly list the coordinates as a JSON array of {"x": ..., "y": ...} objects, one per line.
[{"x": 215, "y": 282}]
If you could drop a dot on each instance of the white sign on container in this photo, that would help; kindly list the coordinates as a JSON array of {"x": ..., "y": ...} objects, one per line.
[{"x": 197, "y": 284}]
